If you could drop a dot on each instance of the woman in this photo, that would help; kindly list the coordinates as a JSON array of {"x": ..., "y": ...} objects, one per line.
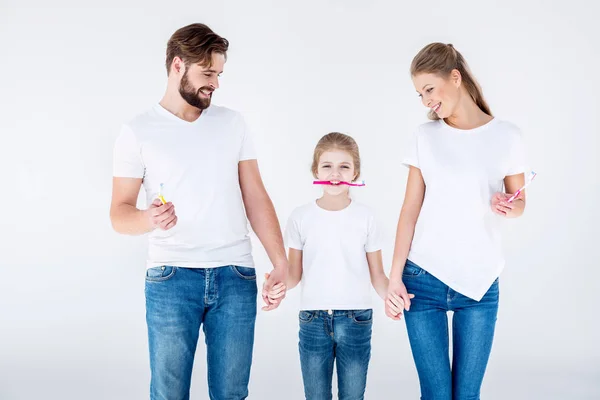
[{"x": 464, "y": 166}]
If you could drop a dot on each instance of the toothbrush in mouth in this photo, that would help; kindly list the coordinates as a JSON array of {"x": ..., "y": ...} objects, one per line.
[
  {"x": 357, "y": 183},
  {"x": 160, "y": 195},
  {"x": 514, "y": 196}
]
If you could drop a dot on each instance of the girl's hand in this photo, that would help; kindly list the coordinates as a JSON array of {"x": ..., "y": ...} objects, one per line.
[
  {"x": 397, "y": 300},
  {"x": 273, "y": 295}
]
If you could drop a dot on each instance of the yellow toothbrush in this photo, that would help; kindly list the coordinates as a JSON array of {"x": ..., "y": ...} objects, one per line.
[{"x": 160, "y": 195}]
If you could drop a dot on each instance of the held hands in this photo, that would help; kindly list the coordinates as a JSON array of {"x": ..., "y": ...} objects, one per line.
[
  {"x": 161, "y": 216},
  {"x": 274, "y": 289},
  {"x": 501, "y": 206},
  {"x": 397, "y": 300}
]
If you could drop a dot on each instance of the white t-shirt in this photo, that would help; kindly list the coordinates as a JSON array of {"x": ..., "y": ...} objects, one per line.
[
  {"x": 198, "y": 164},
  {"x": 457, "y": 236},
  {"x": 334, "y": 244}
]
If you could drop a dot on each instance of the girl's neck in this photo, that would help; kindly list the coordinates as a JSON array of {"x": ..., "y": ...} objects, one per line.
[{"x": 334, "y": 202}]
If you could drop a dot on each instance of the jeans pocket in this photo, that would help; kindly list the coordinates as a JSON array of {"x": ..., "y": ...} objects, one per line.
[
  {"x": 245, "y": 273},
  {"x": 305, "y": 316},
  {"x": 159, "y": 274},
  {"x": 411, "y": 270},
  {"x": 362, "y": 316}
]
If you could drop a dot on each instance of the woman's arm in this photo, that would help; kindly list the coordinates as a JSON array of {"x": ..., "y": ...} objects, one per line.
[{"x": 413, "y": 200}]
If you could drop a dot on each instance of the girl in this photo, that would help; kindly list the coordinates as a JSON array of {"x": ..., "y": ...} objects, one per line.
[
  {"x": 448, "y": 250},
  {"x": 334, "y": 251}
]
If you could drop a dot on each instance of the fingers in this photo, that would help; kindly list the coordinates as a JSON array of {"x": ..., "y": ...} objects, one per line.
[
  {"x": 278, "y": 291},
  {"x": 163, "y": 215},
  {"x": 273, "y": 292},
  {"x": 406, "y": 300},
  {"x": 157, "y": 203},
  {"x": 395, "y": 317},
  {"x": 394, "y": 306},
  {"x": 168, "y": 224}
]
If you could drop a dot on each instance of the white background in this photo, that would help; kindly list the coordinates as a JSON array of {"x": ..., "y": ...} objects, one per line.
[{"x": 72, "y": 322}]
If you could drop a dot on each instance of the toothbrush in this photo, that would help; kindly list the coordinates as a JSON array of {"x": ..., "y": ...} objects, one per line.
[
  {"x": 514, "y": 196},
  {"x": 160, "y": 196},
  {"x": 357, "y": 183}
]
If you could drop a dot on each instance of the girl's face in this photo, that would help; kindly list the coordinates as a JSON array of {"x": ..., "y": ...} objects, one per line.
[
  {"x": 335, "y": 166},
  {"x": 438, "y": 94}
]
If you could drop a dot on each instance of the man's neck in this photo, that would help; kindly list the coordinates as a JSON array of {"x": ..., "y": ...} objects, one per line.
[{"x": 174, "y": 103}]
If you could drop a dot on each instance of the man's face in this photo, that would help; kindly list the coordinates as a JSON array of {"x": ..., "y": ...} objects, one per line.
[{"x": 199, "y": 82}]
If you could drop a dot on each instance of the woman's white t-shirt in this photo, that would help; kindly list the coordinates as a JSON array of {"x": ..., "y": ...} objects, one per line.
[
  {"x": 334, "y": 244},
  {"x": 457, "y": 235}
]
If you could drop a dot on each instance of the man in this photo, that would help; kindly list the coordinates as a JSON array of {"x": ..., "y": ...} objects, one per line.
[{"x": 198, "y": 167}]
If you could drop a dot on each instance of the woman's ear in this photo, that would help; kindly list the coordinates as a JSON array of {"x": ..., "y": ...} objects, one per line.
[{"x": 456, "y": 77}]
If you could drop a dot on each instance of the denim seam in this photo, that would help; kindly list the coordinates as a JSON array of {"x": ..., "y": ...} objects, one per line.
[
  {"x": 244, "y": 277},
  {"x": 312, "y": 316},
  {"x": 162, "y": 278}
]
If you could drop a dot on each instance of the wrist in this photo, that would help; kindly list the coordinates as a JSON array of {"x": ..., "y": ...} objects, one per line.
[{"x": 281, "y": 265}]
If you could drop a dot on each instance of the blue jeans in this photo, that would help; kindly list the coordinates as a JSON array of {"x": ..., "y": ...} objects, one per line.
[
  {"x": 473, "y": 326},
  {"x": 180, "y": 300},
  {"x": 343, "y": 336}
]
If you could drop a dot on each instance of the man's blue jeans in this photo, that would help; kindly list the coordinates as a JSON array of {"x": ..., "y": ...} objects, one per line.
[{"x": 181, "y": 300}]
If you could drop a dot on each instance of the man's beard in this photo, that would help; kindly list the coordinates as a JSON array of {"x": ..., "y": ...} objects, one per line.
[{"x": 192, "y": 96}]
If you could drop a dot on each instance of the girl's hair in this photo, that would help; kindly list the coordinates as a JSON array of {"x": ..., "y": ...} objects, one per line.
[
  {"x": 336, "y": 141},
  {"x": 441, "y": 59}
]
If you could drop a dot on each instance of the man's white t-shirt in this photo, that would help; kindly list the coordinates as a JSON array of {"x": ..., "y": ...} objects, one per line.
[
  {"x": 457, "y": 235},
  {"x": 198, "y": 164},
  {"x": 334, "y": 244}
]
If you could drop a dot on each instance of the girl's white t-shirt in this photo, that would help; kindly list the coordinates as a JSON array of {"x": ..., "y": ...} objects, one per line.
[
  {"x": 334, "y": 244},
  {"x": 457, "y": 235}
]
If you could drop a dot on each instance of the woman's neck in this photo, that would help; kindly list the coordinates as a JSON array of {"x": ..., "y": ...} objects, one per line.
[{"x": 467, "y": 115}]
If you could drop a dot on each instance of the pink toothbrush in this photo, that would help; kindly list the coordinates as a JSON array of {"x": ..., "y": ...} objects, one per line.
[
  {"x": 357, "y": 183},
  {"x": 514, "y": 196}
]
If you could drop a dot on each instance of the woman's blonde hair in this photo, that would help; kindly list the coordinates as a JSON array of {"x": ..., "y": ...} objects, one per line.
[
  {"x": 441, "y": 59},
  {"x": 336, "y": 141}
]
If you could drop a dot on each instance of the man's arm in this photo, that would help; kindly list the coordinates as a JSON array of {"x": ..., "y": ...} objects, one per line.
[
  {"x": 126, "y": 218},
  {"x": 262, "y": 217},
  {"x": 261, "y": 213}
]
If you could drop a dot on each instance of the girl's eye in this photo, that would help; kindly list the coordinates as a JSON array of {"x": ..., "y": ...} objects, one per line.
[
  {"x": 207, "y": 75},
  {"x": 429, "y": 90},
  {"x": 345, "y": 167}
]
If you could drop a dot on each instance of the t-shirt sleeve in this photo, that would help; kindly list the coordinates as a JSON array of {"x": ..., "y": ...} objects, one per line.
[
  {"x": 127, "y": 158},
  {"x": 292, "y": 235},
  {"x": 373, "y": 239},
  {"x": 411, "y": 154},
  {"x": 517, "y": 159},
  {"x": 247, "y": 151}
]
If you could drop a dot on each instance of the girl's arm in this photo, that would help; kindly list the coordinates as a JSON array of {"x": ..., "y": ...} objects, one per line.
[
  {"x": 378, "y": 278},
  {"x": 295, "y": 272}
]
